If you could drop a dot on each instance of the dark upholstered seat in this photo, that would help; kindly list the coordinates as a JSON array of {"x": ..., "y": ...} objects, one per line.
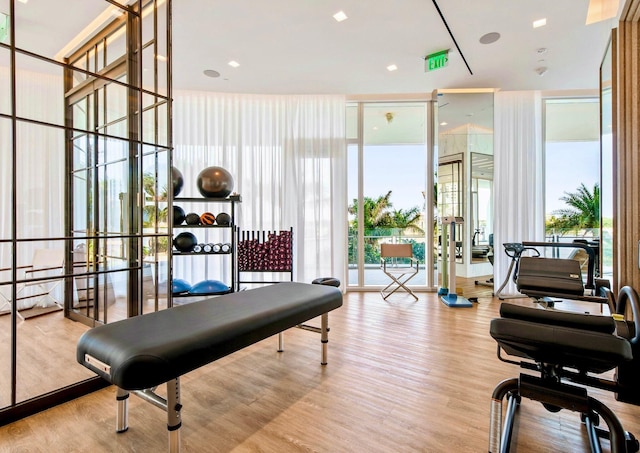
[{"x": 583, "y": 342}]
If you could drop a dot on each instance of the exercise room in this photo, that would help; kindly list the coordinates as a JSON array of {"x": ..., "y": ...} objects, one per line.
[{"x": 319, "y": 226}]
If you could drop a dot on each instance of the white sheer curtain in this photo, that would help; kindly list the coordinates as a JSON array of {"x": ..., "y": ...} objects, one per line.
[
  {"x": 519, "y": 177},
  {"x": 39, "y": 165},
  {"x": 287, "y": 155}
]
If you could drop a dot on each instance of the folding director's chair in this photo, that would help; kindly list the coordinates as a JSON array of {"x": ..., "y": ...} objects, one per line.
[{"x": 397, "y": 261}]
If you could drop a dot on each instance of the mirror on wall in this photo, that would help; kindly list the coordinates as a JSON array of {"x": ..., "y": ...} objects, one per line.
[{"x": 465, "y": 174}]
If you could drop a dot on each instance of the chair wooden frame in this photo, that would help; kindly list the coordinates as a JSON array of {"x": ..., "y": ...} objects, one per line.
[{"x": 397, "y": 261}]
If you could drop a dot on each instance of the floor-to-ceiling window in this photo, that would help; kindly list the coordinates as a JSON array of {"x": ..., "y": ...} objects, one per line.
[
  {"x": 572, "y": 172},
  {"x": 388, "y": 166}
]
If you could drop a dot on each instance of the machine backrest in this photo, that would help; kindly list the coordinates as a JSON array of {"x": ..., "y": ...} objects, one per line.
[{"x": 553, "y": 275}]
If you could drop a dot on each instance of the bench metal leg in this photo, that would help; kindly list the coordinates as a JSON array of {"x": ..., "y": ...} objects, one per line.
[
  {"x": 280, "y": 342},
  {"x": 324, "y": 336},
  {"x": 174, "y": 422},
  {"x": 122, "y": 411}
]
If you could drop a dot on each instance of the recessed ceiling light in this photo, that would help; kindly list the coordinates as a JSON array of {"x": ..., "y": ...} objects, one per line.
[
  {"x": 211, "y": 73},
  {"x": 234, "y": 64},
  {"x": 340, "y": 16},
  {"x": 23, "y": 1},
  {"x": 392, "y": 67},
  {"x": 539, "y": 23},
  {"x": 489, "y": 38},
  {"x": 444, "y": 123}
]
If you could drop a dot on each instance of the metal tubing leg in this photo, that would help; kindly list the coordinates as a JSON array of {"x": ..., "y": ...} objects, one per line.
[
  {"x": 495, "y": 420},
  {"x": 617, "y": 436},
  {"x": 280, "y": 342},
  {"x": 174, "y": 421},
  {"x": 122, "y": 411},
  {"x": 324, "y": 336},
  {"x": 507, "y": 432},
  {"x": 594, "y": 441}
]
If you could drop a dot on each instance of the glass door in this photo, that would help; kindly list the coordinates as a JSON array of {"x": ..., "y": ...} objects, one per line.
[{"x": 387, "y": 187}]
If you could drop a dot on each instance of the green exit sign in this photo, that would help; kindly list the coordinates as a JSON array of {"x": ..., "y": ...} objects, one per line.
[
  {"x": 4, "y": 27},
  {"x": 436, "y": 60}
]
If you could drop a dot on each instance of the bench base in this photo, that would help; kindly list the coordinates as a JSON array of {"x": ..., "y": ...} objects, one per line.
[{"x": 172, "y": 406}]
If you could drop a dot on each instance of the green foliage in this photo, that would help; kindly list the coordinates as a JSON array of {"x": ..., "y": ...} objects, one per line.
[
  {"x": 583, "y": 211},
  {"x": 381, "y": 220}
]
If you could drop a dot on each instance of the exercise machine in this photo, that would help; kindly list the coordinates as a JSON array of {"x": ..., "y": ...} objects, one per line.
[{"x": 569, "y": 351}]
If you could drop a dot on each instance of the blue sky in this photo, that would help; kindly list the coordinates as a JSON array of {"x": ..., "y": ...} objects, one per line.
[{"x": 567, "y": 165}]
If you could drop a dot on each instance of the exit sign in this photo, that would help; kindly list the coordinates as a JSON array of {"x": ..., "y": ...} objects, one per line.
[{"x": 436, "y": 60}]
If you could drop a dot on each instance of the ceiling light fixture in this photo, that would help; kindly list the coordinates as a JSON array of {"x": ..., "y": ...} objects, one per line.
[
  {"x": 392, "y": 67},
  {"x": 23, "y": 1},
  {"x": 211, "y": 73},
  {"x": 539, "y": 23},
  {"x": 542, "y": 70},
  {"x": 444, "y": 123},
  {"x": 161, "y": 58},
  {"x": 233, "y": 64},
  {"x": 340, "y": 16}
]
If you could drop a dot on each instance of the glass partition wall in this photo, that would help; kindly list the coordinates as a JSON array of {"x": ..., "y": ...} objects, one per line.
[{"x": 84, "y": 126}]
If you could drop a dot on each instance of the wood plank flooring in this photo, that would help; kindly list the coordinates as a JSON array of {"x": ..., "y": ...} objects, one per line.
[{"x": 403, "y": 376}]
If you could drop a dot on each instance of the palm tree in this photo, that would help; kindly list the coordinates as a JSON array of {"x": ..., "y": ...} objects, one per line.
[
  {"x": 408, "y": 219},
  {"x": 583, "y": 211}
]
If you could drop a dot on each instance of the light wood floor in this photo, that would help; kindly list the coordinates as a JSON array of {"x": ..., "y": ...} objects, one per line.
[{"x": 403, "y": 376}]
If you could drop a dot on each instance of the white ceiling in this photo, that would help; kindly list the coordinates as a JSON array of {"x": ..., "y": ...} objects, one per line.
[{"x": 296, "y": 47}]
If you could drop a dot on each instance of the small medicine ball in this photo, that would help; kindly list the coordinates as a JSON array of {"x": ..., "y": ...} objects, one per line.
[
  {"x": 178, "y": 215},
  {"x": 215, "y": 182},
  {"x": 193, "y": 219},
  {"x": 207, "y": 218},
  {"x": 185, "y": 242},
  {"x": 223, "y": 219}
]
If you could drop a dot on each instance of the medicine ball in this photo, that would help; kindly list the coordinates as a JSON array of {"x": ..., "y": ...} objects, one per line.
[
  {"x": 193, "y": 219},
  {"x": 178, "y": 215},
  {"x": 223, "y": 219},
  {"x": 215, "y": 182},
  {"x": 177, "y": 180},
  {"x": 207, "y": 218},
  {"x": 185, "y": 242}
]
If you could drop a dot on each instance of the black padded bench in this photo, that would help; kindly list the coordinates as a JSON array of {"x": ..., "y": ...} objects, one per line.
[{"x": 138, "y": 354}]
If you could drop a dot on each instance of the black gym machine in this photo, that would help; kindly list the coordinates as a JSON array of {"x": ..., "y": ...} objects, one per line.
[{"x": 566, "y": 349}]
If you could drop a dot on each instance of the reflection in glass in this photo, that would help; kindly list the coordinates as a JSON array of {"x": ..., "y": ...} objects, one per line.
[
  {"x": 39, "y": 189},
  {"x": 465, "y": 174},
  {"x": 606, "y": 162}
]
